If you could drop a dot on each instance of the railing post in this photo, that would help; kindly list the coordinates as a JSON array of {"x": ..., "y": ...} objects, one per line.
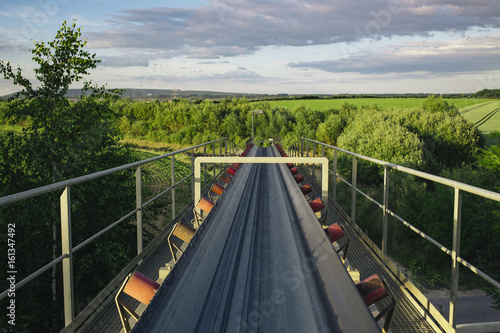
[
  {"x": 192, "y": 173},
  {"x": 327, "y": 168},
  {"x": 353, "y": 193},
  {"x": 307, "y": 155},
  {"x": 386, "y": 207},
  {"x": 138, "y": 204},
  {"x": 455, "y": 253},
  {"x": 205, "y": 166},
  {"x": 301, "y": 147},
  {"x": 324, "y": 182},
  {"x": 67, "y": 263},
  {"x": 172, "y": 182},
  {"x": 197, "y": 188},
  {"x": 314, "y": 165},
  {"x": 334, "y": 190},
  {"x": 213, "y": 154},
  {"x": 220, "y": 154}
]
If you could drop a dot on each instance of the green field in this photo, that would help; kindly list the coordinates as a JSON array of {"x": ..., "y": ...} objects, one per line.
[
  {"x": 486, "y": 116},
  {"x": 384, "y": 103}
]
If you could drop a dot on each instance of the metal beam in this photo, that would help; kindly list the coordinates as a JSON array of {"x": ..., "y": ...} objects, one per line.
[
  {"x": 455, "y": 254},
  {"x": 67, "y": 263},
  {"x": 264, "y": 160},
  {"x": 138, "y": 205}
]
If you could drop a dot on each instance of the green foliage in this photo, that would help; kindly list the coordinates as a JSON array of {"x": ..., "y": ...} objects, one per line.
[
  {"x": 438, "y": 104},
  {"x": 428, "y": 139},
  {"x": 307, "y": 121},
  {"x": 487, "y": 93},
  {"x": 377, "y": 134},
  {"x": 430, "y": 209},
  {"x": 448, "y": 139},
  {"x": 490, "y": 157},
  {"x": 59, "y": 132},
  {"x": 62, "y": 140},
  {"x": 419, "y": 276}
]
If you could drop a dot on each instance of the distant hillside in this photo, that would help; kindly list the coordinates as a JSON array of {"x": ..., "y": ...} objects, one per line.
[{"x": 172, "y": 93}]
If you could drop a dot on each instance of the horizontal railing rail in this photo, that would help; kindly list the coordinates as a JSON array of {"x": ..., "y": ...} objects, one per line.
[
  {"x": 66, "y": 258},
  {"x": 301, "y": 148}
]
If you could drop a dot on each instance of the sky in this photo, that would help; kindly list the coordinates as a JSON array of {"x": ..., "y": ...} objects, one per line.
[{"x": 270, "y": 46}]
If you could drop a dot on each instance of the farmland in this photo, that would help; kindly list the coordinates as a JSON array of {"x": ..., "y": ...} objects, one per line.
[
  {"x": 483, "y": 113},
  {"x": 485, "y": 116},
  {"x": 383, "y": 103}
]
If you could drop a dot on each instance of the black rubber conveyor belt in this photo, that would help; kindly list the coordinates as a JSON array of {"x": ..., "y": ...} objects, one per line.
[{"x": 260, "y": 262}]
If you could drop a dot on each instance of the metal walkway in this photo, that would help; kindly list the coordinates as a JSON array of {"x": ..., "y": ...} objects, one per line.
[
  {"x": 407, "y": 317},
  {"x": 260, "y": 262}
]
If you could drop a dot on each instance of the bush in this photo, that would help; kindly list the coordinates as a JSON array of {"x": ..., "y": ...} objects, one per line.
[{"x": 376, "y": 135}]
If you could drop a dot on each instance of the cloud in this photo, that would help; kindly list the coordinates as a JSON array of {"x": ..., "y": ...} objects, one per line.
[
  {"x": 473, "y": 54},
  {"x": 240, "y": 74},
  {"x": 229, "y": 28},
  {"x": 193, "y": 82},
  {"x": 213, "y": 62},
  {"x": 125, "y": 60},
  {"x": 10, "y": 42}
]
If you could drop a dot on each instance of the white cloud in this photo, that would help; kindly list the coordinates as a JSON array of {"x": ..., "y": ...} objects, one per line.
[
  {"x": 231, "y": 28},
  {"x": 323, "y": 46},
  {"x": 471, "y": 54}
]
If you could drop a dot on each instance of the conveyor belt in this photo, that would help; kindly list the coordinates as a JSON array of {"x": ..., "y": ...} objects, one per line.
[{"x": 260, "y": 262}]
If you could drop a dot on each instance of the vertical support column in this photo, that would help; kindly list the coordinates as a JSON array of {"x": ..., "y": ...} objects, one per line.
[
  {"x": 192, "y": 170},
  {"x": 327, "y": 166},
  {"x": 334, "y": 190},
  {"x": 138, "y": 205},
  {"x": 197, "y": 187},
  {"x": 220, "y": 154},
  {"x": 354, "y": 186},
  {"x": 205, "y": 166},
  {"x": 455, "y": 253},
  {"x": 67, "y": 263},
  {"x": 314, "y": 165},
  {"x": 307, "y": 155},
  {"x": 172, "y": 182},
  {"x": 324, "y": 182},
  {"x": 213, "y": 154},
  {"x": 386, "y": 207}
]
